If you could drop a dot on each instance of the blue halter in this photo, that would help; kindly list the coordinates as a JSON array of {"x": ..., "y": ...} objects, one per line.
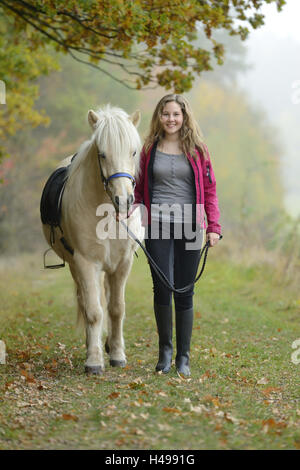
[
  {"x": 118, "y": 175},
  {"x": 115, "y": 175}
]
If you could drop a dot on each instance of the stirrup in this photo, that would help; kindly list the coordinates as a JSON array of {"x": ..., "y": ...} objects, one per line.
[{"x": 52, "y": 266}]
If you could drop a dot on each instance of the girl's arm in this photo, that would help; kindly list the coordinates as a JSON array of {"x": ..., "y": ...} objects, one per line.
[
  {"x": 211, "y": 204},
  {"x": 139, "y": 188}
]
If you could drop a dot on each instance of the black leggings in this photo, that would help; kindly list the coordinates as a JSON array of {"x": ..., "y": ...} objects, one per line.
[{"x": 178, "y": 263}]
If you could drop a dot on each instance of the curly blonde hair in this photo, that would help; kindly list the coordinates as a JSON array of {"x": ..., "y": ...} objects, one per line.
[{"x": 190, "y": 133}]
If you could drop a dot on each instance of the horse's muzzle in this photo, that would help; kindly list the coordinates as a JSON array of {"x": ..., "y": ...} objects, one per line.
[{"x": 123, "y": 204}]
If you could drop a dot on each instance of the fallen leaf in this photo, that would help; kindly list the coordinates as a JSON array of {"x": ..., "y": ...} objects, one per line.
[
  {"x": 218, "y": 427},
  {"x": 223, "y": 442},
  {"x": 216, "y": 402},
  {"x": 269, "y": 390},
  {"x": 198, "y": 409},
  {"x": 262, "y": 381},
  {"x": 162, "y": 394},
  {"x": 28, "y": 376},
  {"x": 272, "y": 424},
  {"x": 136, "y": 385},
  {"x": 69, "y": 417},
  {"x": 171, "y": 410},
  {"x": 231, "y": 419}
]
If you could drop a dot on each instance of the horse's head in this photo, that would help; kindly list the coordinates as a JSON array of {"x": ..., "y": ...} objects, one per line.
[{"x": 118, "y": 147}]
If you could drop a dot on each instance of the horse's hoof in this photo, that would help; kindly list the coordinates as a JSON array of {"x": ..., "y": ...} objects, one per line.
[
  {"x": 115, "y": 363},
  {"x": 106, "y": 346},
  {"x": 93, "y": 370}
]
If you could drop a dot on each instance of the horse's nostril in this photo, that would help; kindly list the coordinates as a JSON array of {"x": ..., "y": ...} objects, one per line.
[
  {"x": 117, "y": 200},
  {"x": 130, "y": 200}
]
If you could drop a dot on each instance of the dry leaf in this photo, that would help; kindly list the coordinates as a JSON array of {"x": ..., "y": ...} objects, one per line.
[
  {"x": 216, "y": 402},
  {"x": 28, "y": 376},
  {"x": 69, "y": 417},
  {"x": 269, "y": 390},
  {"x": 114, "y": 395},
  {"x": 263, "y": 381},
  {"x": 199, "y": 409},
  {"x": 171, "y": 410},
  {"x": 231, "y": 419},
  {"x": 272, "y": 424},
  {"x": 136, "y": 385}
]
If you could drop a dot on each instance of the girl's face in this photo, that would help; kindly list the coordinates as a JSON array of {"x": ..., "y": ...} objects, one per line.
[{"x": 171, "y": 118}]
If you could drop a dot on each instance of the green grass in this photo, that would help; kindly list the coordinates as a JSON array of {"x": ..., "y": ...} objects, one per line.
[{"x": 244, "y": 389}]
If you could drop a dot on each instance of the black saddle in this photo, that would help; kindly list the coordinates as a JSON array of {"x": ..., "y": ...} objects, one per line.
[{"x": 50, "y": 206}]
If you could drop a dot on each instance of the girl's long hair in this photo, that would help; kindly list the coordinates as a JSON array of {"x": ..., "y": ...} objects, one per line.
[{"x": 190, "y": 133}]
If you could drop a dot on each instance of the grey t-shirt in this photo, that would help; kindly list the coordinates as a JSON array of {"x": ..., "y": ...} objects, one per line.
[{"x": 173, "y": 183}]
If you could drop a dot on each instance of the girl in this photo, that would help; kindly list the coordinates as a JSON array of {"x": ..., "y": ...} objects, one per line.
[{"x": 176, "y": 173}]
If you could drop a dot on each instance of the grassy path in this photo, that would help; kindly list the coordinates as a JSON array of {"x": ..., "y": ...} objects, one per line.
[{"x": 244, "y": 390}]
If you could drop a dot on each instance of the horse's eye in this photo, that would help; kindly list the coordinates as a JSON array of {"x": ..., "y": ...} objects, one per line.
[
  {"x": 134, "y": 153},
  {"x": 102, "y": 155}
]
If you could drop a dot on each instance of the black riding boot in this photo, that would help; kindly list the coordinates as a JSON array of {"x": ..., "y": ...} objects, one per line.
[
  {"x": 184, "y": 326},
  {"x": 163, "y": 316}
]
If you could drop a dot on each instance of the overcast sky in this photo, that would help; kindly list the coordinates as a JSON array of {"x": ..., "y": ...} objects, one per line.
[
  {"x": 272, "y": 83},
  {"x": 284, "y": 24}
]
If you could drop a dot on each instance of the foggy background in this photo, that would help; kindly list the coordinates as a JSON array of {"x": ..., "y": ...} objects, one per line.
[
  {"x": 273, "y": 83},
  {"x": 248, "y": 110}
]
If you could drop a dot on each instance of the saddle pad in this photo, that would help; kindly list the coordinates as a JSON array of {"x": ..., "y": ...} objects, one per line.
[{"x": 50, "y": 206}]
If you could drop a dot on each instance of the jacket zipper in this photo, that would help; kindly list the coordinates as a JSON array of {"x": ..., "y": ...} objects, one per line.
[
  {"x": 208, "y": 173},
  {"x": 198, "y": 173}
]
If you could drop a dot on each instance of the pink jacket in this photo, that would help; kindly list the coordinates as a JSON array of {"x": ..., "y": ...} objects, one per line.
[{"x": 205, "y": 184}]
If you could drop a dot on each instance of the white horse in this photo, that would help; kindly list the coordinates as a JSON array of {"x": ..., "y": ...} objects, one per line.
[{"x": 103, "y": 172}]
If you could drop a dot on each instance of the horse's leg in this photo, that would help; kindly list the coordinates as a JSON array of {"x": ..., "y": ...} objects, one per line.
[
  {"x": 116, "y": 313},
  {"x": 105, "y": 299},
  {"x": 80, "y": 304},
  {"x": 87, "y": 277}
]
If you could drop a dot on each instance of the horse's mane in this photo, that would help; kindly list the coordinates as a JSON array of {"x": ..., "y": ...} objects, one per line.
[{"x": 114, "y": 134}]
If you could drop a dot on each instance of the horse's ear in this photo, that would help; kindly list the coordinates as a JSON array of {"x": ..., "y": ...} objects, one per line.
[
  {"x": 93, "y": 119},
  {"x": 136, "y": 118}
]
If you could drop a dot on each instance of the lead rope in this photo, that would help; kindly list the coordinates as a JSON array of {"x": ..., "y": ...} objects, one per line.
[{"x": 159, "y": 272}]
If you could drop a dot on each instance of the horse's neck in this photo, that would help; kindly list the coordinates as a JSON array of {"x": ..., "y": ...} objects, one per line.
[{"x": 87, "y": 180}]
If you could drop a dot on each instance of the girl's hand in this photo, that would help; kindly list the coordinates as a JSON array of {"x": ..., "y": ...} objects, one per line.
[
  {"x": 213, "y": 238},
  {"x": 120, "y": 216}
]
